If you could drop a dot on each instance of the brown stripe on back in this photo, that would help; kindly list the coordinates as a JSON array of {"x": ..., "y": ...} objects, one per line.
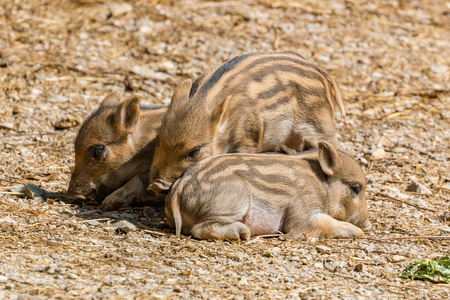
[
  {"x": 214, "y": 84},
  {"x": 248, "y": 63},
  {"x": 253, "y": 71}
]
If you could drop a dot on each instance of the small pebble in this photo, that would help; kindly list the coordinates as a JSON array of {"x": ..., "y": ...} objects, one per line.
[
  {"x": 33, "y": 191},
  {"x": 110, "y": 228},
  {"x": 445, "y": 216},
  {"x": 93, "y": 223},
  {"x": 126, "y": 216},
  {"x": 359, "y": 268},
  {"x": 439, "y": 68},
  {"x": 416, "y": 187},
  {"x": 8, "y": 220},
  {"x": 323, "y": 249},
  {"x": 7, "y": 125},
  {"x": 419, "y": 202},
  {"x": 446, "y": 186},
  {"x": 398, "y": 258},
  {"x": 118, "y": 9},
  {"x": 272, "y": 252},
  {"x": 363, "y": 161},
  {"x": 379, "y": 154},
  {"x": 446, "y": 230},
  {"x": 125, "y": 226}
]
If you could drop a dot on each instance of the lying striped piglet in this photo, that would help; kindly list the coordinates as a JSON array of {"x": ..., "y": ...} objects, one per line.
[
  {"x": 318, "y": 193},
  {"x": 262, "y": 102},
  {"x": 114, "y": 151}
]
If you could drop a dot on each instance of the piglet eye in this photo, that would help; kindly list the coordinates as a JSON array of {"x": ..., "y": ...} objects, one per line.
[
  {"x": 99, "y": 151},
  {"x": 356, "y": 189},
  {"x": 193, "y": 153}
]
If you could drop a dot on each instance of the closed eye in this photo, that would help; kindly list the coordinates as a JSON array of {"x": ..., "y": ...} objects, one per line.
[
  {"x": 194, "y": 152},
  {"x": 356, "y": 189}
]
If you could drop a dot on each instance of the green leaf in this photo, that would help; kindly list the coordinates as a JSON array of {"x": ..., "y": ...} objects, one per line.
[{"x": 436, "y": 271}]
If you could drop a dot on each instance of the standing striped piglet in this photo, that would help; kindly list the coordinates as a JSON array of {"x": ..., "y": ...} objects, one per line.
[
  {"x": 318, "y": 193},
  {"x": 262, "y": 102}
]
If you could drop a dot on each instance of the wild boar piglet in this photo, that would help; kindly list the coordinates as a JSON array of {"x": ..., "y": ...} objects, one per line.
[
  {"x": 261, "y": 102},
  {"x": 319, "y": 193},
  {"x": 114, "y": 151}
]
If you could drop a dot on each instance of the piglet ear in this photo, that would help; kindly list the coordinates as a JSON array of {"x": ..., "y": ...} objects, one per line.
[
  {"x": 112, "y": 98},
  {"x": 127, "y": 115},
  {"x": 328, "y": 158},
  {"x": 181, "y": 92},
  {"x": 220, "y": 115}
]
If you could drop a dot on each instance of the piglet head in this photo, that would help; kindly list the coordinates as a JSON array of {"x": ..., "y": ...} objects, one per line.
[
  {"x": 347, "y": 186},
  {"x": 187, "y": 135},
  {"x": 102, "y": 147}
]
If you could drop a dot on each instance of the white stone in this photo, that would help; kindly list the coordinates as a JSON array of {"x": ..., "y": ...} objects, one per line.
[
  {"x": 7, "y": 125},
  {"x": 398, "y": 258},
  {"x": 416, "y": 187},
  {"x": 446, "y": 230},
  {"x": 323, "y": 58},
  {"x": 8, "y": 220},
  {"x": 118, "y": 9},
  {"x": 439, "y": 68},
  {"x": 125, "y": 226},
  {"x": 323, "y": 249},
  {"x": 379, "y": 154},
  {"x": 419, "y": 202}
]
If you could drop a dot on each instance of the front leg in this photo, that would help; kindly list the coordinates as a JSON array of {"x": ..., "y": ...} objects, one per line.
[
  {"x": 325, "y": 226},
  {"x": 132, "y": 191},
  {"x": 329, "y": 227}
]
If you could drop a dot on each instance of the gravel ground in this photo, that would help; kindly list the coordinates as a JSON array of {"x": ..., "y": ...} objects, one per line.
[{"x": 58, "y": 59}]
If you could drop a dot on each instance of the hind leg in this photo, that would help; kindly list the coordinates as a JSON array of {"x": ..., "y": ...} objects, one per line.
[{"x": 213, "y": 230}]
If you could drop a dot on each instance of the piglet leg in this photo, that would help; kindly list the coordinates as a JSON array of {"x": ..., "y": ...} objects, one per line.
[
  {"x": 329, "y": 227},
  {"x": 325, "y": 226},
  {"x": 126, "y": 195},
  {"x": 213, "y": 230}
]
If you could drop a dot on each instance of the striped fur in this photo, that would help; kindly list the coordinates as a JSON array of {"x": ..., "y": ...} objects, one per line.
[
  {"x": 262, "y": 102},
  {"x": 235, "y": 196},
  {"x": 125, "y": 136}
]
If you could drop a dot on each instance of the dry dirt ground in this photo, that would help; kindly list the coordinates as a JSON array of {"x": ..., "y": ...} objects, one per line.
[{"x": 58, "y": 58}]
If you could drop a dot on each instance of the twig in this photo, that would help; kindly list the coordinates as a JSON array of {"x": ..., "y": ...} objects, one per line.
[
  {"x": 218, "y": 4},
  {"x": 156, "y": 232},
  {"x": 270, "y": 235},
  {"x": 102, "y": 219},
  {"x": 87, "y": 212},
  {"x": 13, "y": 193},
  {"x": 34, "y": 224},
  {"x": 429, "y": 237},
  {"x": 4, "y": 203},
  {"x": 387, "y": 197}
]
